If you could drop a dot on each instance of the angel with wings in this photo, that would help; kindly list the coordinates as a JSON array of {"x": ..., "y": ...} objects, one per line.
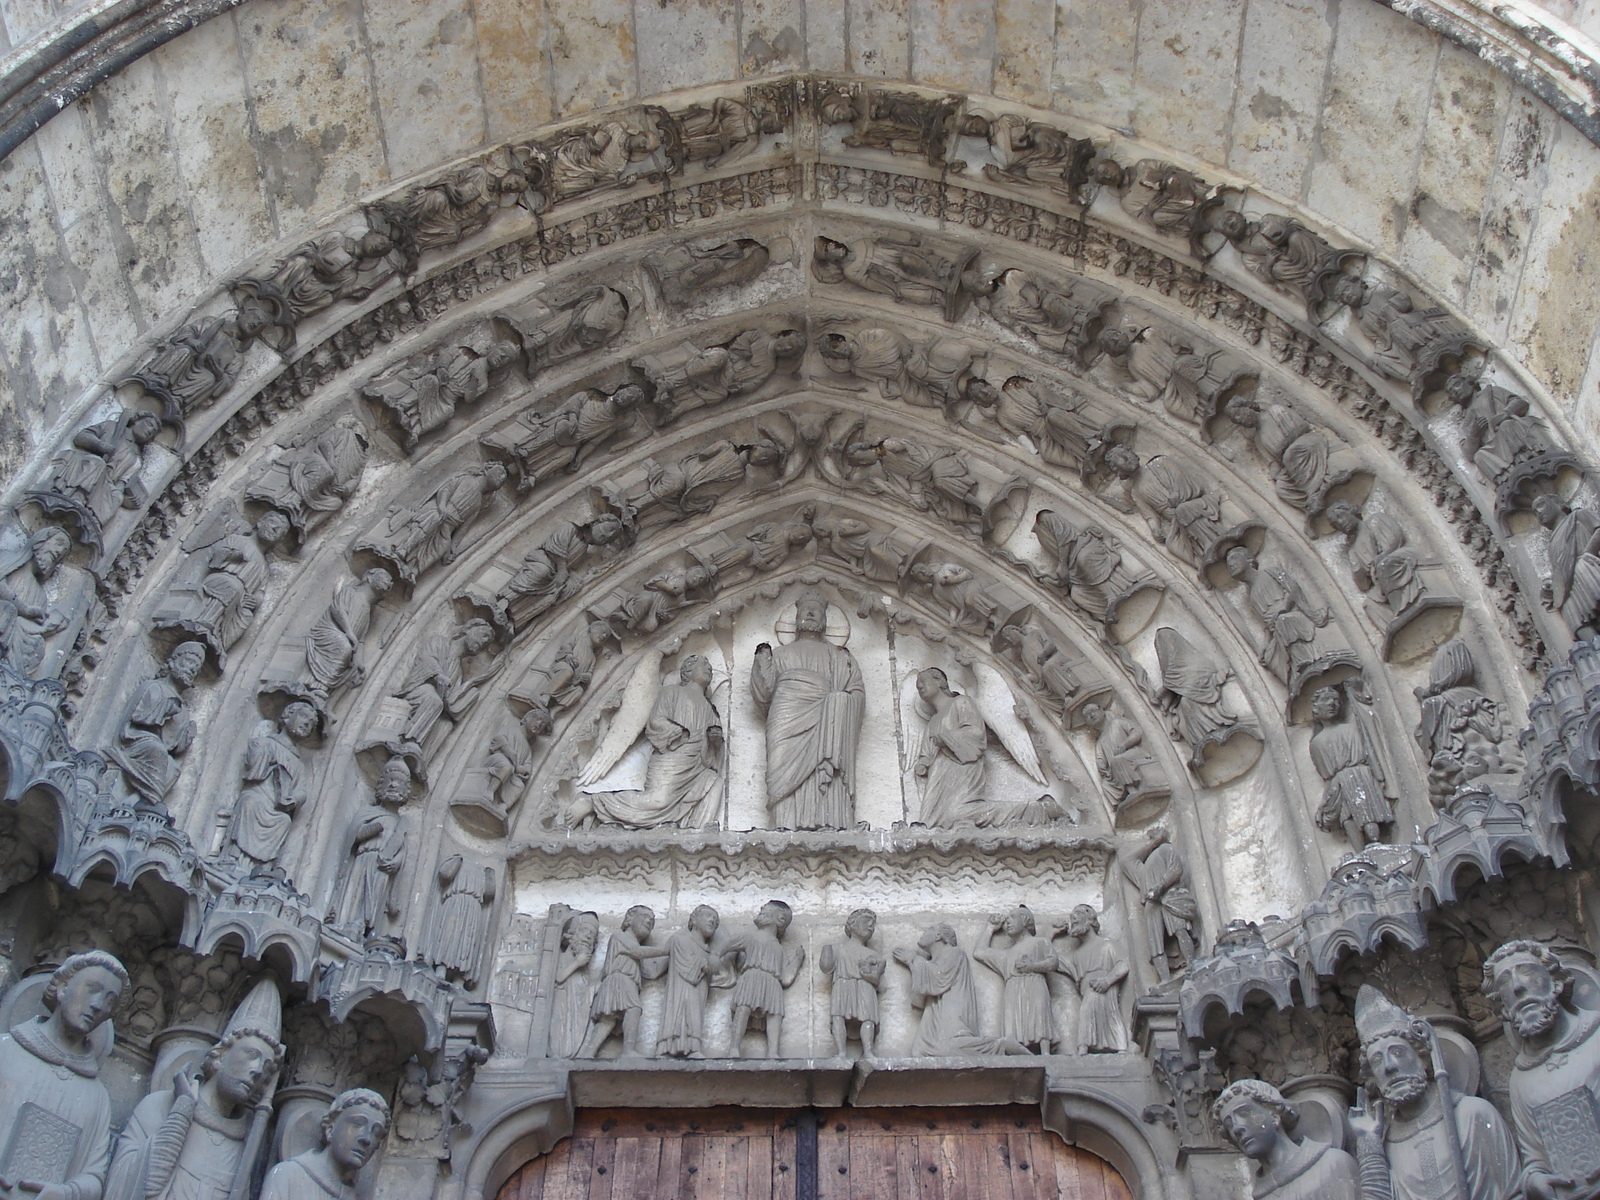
[
  {"x": 949, "y": 759},
  {"x": 674, "y": 733}
]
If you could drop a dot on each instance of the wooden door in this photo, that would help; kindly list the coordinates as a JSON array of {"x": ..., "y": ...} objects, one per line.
[{"x": 988, "y": 1153}]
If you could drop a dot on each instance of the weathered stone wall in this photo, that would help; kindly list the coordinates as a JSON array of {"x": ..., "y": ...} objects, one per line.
[{"x": 132, "y": 204}]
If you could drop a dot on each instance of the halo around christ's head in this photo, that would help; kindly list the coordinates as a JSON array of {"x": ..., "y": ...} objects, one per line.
[{"x": 837, "y": 629}]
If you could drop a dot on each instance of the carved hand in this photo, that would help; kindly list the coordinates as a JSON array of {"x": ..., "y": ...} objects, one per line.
[
  {"x": 902, "y": 955},
  {"x": 1540, "y": 1186}
]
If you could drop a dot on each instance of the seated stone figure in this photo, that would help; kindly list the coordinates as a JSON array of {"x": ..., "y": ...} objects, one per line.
[
  {"x": 1256, "y": 1118},
  {"x": 352, "y": 1131},
  {"x": 55, "y": 1114}
]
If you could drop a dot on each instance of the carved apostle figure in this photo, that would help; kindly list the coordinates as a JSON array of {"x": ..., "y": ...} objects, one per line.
[
  {"x": 1032, "y": 152},
  {"x": 1419, "y": 1139},
  {"x": 630, "y": 960},
  {"x": 1289, "y": 649},
  {"x": 1573, "y": 589},
  {"x": 1097, "y": 969},
  {"x": 548, "y": 573},
  {"x": 1128, "y": 772},
  {"x": 897, "y": 265},
  {"x": 690, "y": 966},
  {"x": 455, "y": 933},
  {"x": 423, "y": 392},
  {"x": 856, "y": 970},
  {"x": 814, "y": 700},
  {"x": 1184, "y": 516},
  {"x": 355, "y": 1125},
  {"x": 158, "y": 730},
  {"x": 551, "y": 336},
  {"x": 335, "y": 645},
  {"x": 1063, "y": 318},
  {"x": 423, "y": 535},
  {"x": 219, "y": 606},
  {"x": 686, "y": 270},
  {"x": 43, "y": 605},
  {"x": 1024, "y": 965},
  {"x": 1151, "y": 190},
  {"x": 766, "y": 966},
  {"x": 1156, "y": 871},
  {"x": 1461, "y": 728},
  {"x": 1300, "y": 457},
  {"x": 437, "y": 215},
  {"x": 943, "y": 988},
  {"x": 275, "y": 787},
  {"x": 1087, "y": 562},
  {"x": 543, "y": 445},
  {"x": 1344, "y": 750},
  {"x": 435, "y": 687},
  {"x": 99, "y": 473},
  {"x": 189, "y": 1141},
  {"x": 314, "y": 479},
  {"x": 377, "y": 849},
  {"x": 1555, "y": 1084},
  {"x": 1255, "y": 1117},
  {"x": 1191, "y": 695},
  {"x": 1384, "y": 565},
  {"x": 55, "y": 1113}
]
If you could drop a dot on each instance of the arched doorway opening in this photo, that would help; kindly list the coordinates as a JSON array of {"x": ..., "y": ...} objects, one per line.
[{"x": 995, "y": 1152}]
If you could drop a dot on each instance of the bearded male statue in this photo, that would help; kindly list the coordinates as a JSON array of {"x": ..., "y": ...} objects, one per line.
[
  {"x": 1420, "y": 1139},
  {"x": 188, "y": 1141},
  {"x": 1555, "y": 1084}
]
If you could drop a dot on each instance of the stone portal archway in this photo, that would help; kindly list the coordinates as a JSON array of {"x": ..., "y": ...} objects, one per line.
[{"x": 815, "y": 1154}]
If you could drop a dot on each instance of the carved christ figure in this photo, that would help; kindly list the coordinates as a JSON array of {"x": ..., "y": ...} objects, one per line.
[{"x": 815, "y": 702}]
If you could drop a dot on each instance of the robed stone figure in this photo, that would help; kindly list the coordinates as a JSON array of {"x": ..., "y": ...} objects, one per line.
[
  {"x": 1256, "y": 1118},
  {"x": 943, "y": 988},
  {"x": 814, "y": 700},
  {"x": 55, "y": 1114}
]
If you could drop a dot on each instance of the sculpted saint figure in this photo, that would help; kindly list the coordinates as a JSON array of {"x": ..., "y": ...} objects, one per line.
[
  {"x": 1289, "y": 649},
  {"x": 314, "y": 479},
  {"x": 1461, "y": 728},
  {"x": 896, "y": 265},
  {"x": 686, "y": 270},
  {"x": 1128, "y": 773},
  {"x": 597, "y": 156},
  {"x": 1156, "y": 871},
  {"x": 1256, "y": 1118},
  {"x": 1184, "y": 516},
  {"x": 1300, "y": 458},
  {"x": 814, "y": 700},
  {"x": 1344, "y": 751},
  {"x": 1033, "y": 152},
  {"x": 1500, "y": 432},
  {"x": 1064, "y": 318},
  {"x": 1385, "y": 567},
  {"x": 1097, "y": 969},
  {"x": 943, "y": 988},
  {"x": 543, "y": 445},
  {"x": 275, "y": 786},
  {"x": 423, "y": 392},
  {"x": 335, "y": 646},
  {"x": 159, "y": 729},
  {"x": 690, "y": 966},
  {"x": 434, "y": 687},
  {"x": 431, "y": 532},
  {"x": 1555, "y": 1083},
  {"x": 437, "y": 215},
  {"x": 187, "y": 1141},
  {"x": 687, "y": 377},
  {"x": 546, "y": 576},
  {"x": 43, "y": 606},
  {"x": 1157, "y": 192},
  {"x": 1420, "y": 1139},
  {"x": 1573, "y": 589},
  {"x": 1087, "y": 561},
  {"x": 377, "y": 849},
  {"x": 1025, "y": 966},
  {"x": 630, "y": 959},
  {"x": 1055, "y": 420},
  {"x": 99, "y": 472},
  {"x": 856, "y": 970},
  {"x": 766, "y": 967},
  {"x": 199, "y": 362},
  {"x": 1192, "y": 695},
  {"x": 354, "y": 1127},
  {"x": 456, "y": 930},
  {"x": 222, "y": 604},
  {"x": 569, "y": 1013},
  {"x": 54, "y": 1111}
]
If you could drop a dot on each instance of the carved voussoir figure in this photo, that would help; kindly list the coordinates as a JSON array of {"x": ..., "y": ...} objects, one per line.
[
  {"x": 1461, "y": 729},
  {"x": 333, "y": 653},
  {"x": 55, "y": 1113},
  {"x": 420, "y": 536},
  {"x": 1156, "y": 192},
  {"x": 1088, "y": 563},
  {"x": 812, "y": 694},
  {"x": 1291, "y": 622},
  {"x": 1419, "y": 1138},
  {"x": 158, "y": 729},
  {"x": 1130, "y": 777},
  {"x": 45, "y": 605},
  {"x": 1507, "y": 441},
  {"x": 1062, "y": 317},
  {"x": 490, "y": 790},
  {"x": 99, "y": 473},
  {"x": 218, "y": 603},
  {"x": 423, "y": 392},
  {"x": 189, "y": 1141},
  {"x": 856, "y": 971},
  {"x": 540, "y": 446},
  {"x": 1394, "y": 580},
  {"x": 1345, "y": 750},
  {"x": 686, "y": 271},
  {"x": 902, "y": 267},
  {"x": 377, "y": 851},
  {"x": 686, "y": 377},
  {"x": 1156, "y": 870},
  {"x": 1573, "y": 589},
  {"x": 1030, "y": 152},
  {"x": 1256, "y": 1119},
  {"x": 275, "y": 787},
  {"x": 355, "y": 1125},
  {"x": 1191, "y": 695},
  {"x": 434, "y": 689},
  {"x": 899, "y": 122},
  {"x": 316, "y": 477}
]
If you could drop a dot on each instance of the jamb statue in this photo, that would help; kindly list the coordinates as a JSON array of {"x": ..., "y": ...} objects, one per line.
[
  {"x": 1255, "y": 1118},
  {"x": 355, "y": 1125}
]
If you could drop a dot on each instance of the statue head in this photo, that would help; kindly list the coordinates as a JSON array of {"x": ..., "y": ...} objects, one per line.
[
  {"x": 1253, "y": 1116},
  {"x": 1114, "y": 341},
  {"x": 811, "y": 612},
  {"x": 1347, "y": 290},
  {"x": 787, "y": 343},
  {"x": 1230, "y": 224},
  {"x": 241, "y": 1065},
  {"x": 949, "y": 574},
  {"x": 863, "y": 454},
  {"x": 494, "y": 476},
  {"x": 1239, "y": 561},
  {"x": 1242, "y": 410},
  {"x": 581, "y": 933},
  {"x": 394, "y": 782},
  {"x": 1343, "y": 516},
  {"x": 1461, "y": 387},
  {"x": 1122, "y": 461},
  {"x": 84, "y": 992},
  {"x": 272, "y": 527},
  {"x": 775, "y": 915},
  {"x": 476, "y": 635},
  {"x": 353, "y": 1129},
  {"x": 704, "y": 921},
  {"x": 932, "y": 684},
  {"x": 379, "y": 582},
  {"x": 1527, "y": 982},
  {"x": 861, "y": 924},
  {"x": 537, "y": 722},
  {"x": 828, "y": 258},
  {"x": 1395, "y": 1054},
  {"x": 1092, "y": 715},
  {"x": 696, "y": 669},
  {"x": 298, "y": 720},
  {"x": 48, "y": 548},
  {"x": 1549, "y": 508},
  {"x": 184, "y": 663},
  {"x": 1326, "y": 704},
  {"x": 640, "y": 920},
  {"x": 982, "y": 393},
  {"x": 935, "y": 934},
  {"x": 1083, "y": 920},
  {"x": 604, "y": 529},
  {"x": 1106, "y": 172},
  {"x": 1019, "y": 921}
]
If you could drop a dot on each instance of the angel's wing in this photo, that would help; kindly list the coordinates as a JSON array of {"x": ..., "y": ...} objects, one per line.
[
  {"x": 999, "y": 707},
  {"x": 638, "y": 698}
]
